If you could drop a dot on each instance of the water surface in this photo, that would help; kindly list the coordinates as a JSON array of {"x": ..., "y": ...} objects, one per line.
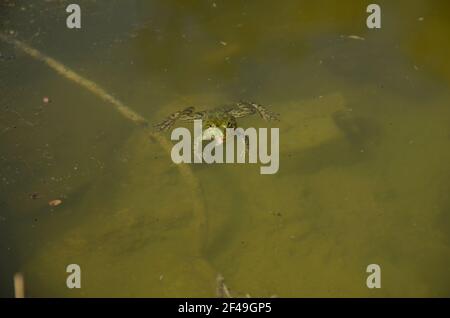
[{"x": 364, "y": 175}]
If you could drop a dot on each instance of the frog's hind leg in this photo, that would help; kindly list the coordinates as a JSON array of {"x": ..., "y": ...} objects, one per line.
[
  {"x": 169, "y": 121},
  {"x": 192, "y": 116},
  {"x": 261, "y": 110},
  {"x": 241, "y": 109}
]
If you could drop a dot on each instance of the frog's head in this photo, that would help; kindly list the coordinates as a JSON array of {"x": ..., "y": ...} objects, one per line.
[
  {"x": 216, "y": 125},
  {"x": 221, "y": 121}
]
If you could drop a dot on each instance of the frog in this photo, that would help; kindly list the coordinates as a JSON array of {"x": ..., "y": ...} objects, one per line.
[{"x": 219, "y": 119}]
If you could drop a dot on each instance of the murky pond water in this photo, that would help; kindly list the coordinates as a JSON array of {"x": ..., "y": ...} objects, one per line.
[{"x": 364, "y": 149}]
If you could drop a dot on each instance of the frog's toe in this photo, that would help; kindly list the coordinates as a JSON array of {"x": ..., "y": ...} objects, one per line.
[{"x": 163, "y": 126}]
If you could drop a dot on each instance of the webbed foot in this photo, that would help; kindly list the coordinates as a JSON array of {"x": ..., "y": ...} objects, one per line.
[{"x": 171, "y": 119}]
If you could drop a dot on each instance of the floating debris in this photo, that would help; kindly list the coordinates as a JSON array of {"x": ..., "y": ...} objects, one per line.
[
  {"x": 353, "y": 37},
  {"x": 46, "y": 100},
  {"x": 19, "y": 285},
  {"x": 222, "y": 289},
  {"x": 55, "y": 203},
  {"x": 34, "y": 196}
]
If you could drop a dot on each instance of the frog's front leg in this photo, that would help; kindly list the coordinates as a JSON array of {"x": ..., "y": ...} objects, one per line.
[{"x": 169, "y": 121}]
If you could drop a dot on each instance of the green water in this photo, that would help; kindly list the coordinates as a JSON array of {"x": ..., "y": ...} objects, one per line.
[{"x": 364, "y": 154}]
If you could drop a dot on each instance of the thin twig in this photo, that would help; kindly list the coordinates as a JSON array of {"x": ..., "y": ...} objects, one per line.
[{"x": 19, "y": 286}]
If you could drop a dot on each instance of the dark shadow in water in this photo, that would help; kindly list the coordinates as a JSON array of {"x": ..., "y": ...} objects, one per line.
[
  {"x": 360, "y": 135},
  {"x": 359, "y": 131},
  {"x": 331, "y": 154}
]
